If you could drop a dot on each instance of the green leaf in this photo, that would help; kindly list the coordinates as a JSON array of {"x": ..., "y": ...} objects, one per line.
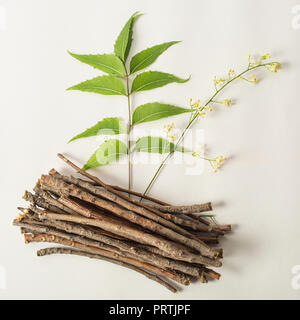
[
  {"x": 146, "y": 57},
  {"x": 108, "y": 85},
  {"x": 153, "y": 79},
  {"x": 154, "y": 111},
  {"x": 156, "y": 145},
  {"x": 108, "y": 126},
  {"x": 108, "y": 63},
  {"x": 124, "y": 40},
  {"x": 109, "y": 151}
]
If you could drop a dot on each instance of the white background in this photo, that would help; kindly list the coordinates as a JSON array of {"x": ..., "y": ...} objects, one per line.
[{"x": 258, "y": 188}]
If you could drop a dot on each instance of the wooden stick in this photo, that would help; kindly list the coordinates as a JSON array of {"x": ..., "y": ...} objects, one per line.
[
  {"x": 140, "y": 195},
  {"x": 127, "y": 231},
  {"x": 212, "y": 274},
  {"x": 51, "y": 200},
  {"x": 84, "y": 234},
  {"x": 43, "y": 237},
  {"x": 107, "y": 187},
  {"x": 37, "y": 200},
  {"x": 74, "y": 191},
  {"x": 120, "y": 201},
  {"x": 198, "y": 217},
  {"x": 224, "y": 228},
  {"x": 60, "y": 250},
  {"x": 195, "y": 208},
  {"x": 124, "y": 190}
]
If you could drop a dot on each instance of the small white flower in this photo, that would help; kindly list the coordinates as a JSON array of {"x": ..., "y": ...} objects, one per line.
[
  {"x": 216, "y": 163},
  {"x": 274, "y": 67},
  {"x": 227, "y": 102},
  {"x": 252, "y": 78},
  {"x": 265, "y": 56},
  {"x": 231, "y": 73}
]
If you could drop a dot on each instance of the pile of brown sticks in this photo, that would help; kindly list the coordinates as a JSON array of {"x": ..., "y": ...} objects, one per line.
[{"x": 93, "y": 219}]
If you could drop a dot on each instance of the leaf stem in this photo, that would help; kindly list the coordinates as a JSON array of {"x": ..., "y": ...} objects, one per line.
[
  {"x": 192, "y": 120},
  {"x": 129, "y": 130}
]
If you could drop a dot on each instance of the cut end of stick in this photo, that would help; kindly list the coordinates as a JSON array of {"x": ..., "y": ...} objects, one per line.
[
  {"x": 52, "y": 171},
  {"x": 62, "y": 157}
]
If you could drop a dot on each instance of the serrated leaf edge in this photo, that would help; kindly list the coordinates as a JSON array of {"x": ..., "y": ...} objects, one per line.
[
  {"x": 116, "y": 72},
  {"x": 171, "y": 43}
]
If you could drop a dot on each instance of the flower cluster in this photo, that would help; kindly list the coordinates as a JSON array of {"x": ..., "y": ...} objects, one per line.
[
  {"x": 231, "y": 74},
  {"x": 274, "y": 67},
  {"x": 198, "y": 110},
  {"x": 194, "y": 105},
  {"x": 168, "y": 129},
  {"x": 218, "y": 80},
  {"x": 201, "y": 110},
  {"x": 216, "y": 163},
  {"x": 264, "y": 56},
  {"x": 227, "y": 102},
  {"x": 252, "y": 78},
  {"x": 221, "y": 81},
  {"x": 252, "y": 62}
]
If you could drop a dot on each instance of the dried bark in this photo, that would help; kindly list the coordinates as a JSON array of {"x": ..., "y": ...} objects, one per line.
[
  {"x": 59, "y": 250},
  {"x": 51, "y": 200},
  {"x": 207, "y": 238},
  {"x": 198, "y": 217},
  {"x": 124, "y": 190},
  {"x": 195, "y": 208},
  {"x": 193, "y": 224},
  {"x": 117, "y": 193},
  {"x": 132, "y": 233},
  {"x": 66, "y": 189},
  {"x": 101, "y": 221},
  {"x": 138, "y": 194},
  {"x": 84, "y": 234},
  {"x": 180, "y": 278},
  {"x": 120, "y": 201},
  {"x": 36, "y": 200},
  {"x": 224, "y": 228},
  {"x": 211, "y": 273}
]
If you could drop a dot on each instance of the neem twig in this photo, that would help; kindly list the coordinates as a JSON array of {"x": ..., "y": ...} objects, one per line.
[
  {"x": 195, "y": 208},
  {"x": 112, "y": 190},
  {"x": 181, "y": 278},
  {"x": 60, "y": 250},
  {"x": 80, "y": 234},
  {"x": 74, "y": 191}
]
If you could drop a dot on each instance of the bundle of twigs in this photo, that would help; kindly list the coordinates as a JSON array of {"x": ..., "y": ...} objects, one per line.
[{"x": 100, "y": 221}]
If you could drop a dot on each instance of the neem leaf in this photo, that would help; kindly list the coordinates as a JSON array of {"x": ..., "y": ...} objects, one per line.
[
  {"x": 107, "y": 85},
  {"x": 107, "y": 126},
  {"x": 156, "y": 145},
  {"x": 153, "y": 79},
  {"x": 108, "y": 151},
  {"x": 108, "y": 63},
  {"x": 154, "y": 111},
  {"x": 123, "y": 42},
  {"x": 146, "y": 57}
]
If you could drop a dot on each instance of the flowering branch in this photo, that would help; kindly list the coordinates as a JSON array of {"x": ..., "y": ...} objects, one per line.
[{"x": 200, "y": 111}]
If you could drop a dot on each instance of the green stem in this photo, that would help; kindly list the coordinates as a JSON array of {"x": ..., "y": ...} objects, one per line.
[
  {"x": 192, "y": 120},
  {"x": 128, "y": 131}
]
